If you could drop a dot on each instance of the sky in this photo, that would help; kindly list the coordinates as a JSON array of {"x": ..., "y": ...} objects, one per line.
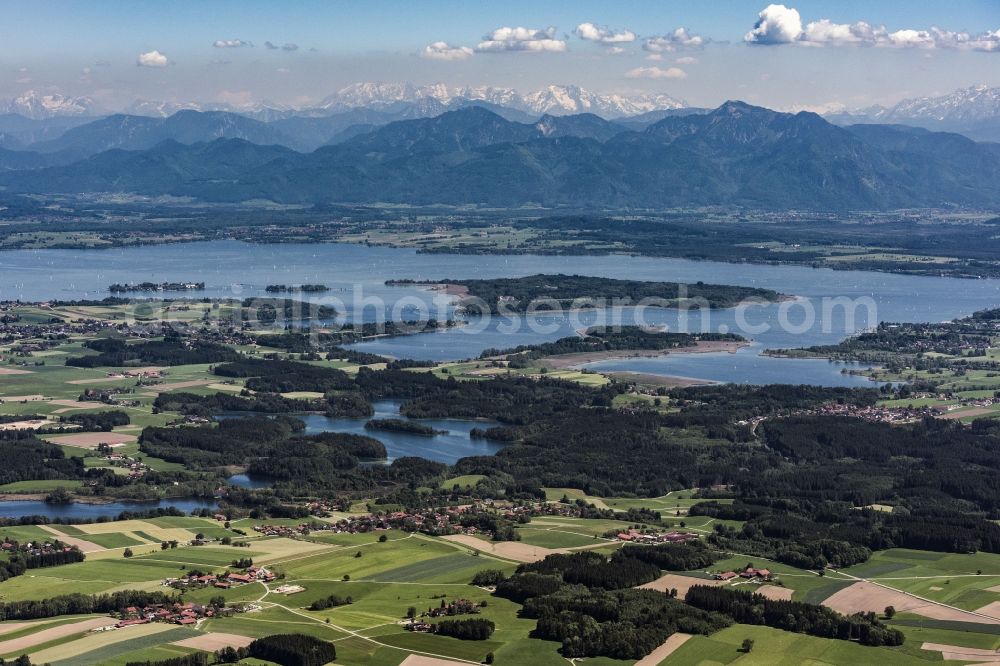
[{"x": 812, "y": 54}]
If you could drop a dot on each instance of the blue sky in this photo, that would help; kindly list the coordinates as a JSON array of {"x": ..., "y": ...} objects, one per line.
[{"x": 805, "y": 54}]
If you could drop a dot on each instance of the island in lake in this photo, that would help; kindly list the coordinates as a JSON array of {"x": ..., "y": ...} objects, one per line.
[
  {"x": 400, "y": 425},
  {"x": 304, "y": 288},
  {"x": 538, "y": 292},
  {"x": 601, "y": 343},
  {"x": 156, "y": 286}
]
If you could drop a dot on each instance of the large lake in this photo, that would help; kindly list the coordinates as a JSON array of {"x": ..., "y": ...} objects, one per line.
[{"x": 357, "y": 272}]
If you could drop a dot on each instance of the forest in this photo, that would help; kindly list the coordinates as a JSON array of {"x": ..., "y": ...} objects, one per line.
[
  {"x": 171, "y": 351},
  {"x": 293, "y": 650},
  {"x": 547, "y": 292},
  {"x": 279, "y": 376},
  {"x": 601, "y": 338},
  {"x": 404, "y": 426},
  {"x": 305, "y": 288},
  {"x": 26, "y": 457},
  {"x": 469, "y": 629},
  {"x": 77, "y": 604},
  {"x": 241, "y": 441},
  {"x": 156, "y": 286},
  {"x": 801, "y": 481},
  {"x": 602, "y": 614},
  {"x": 329, "y": 341}
]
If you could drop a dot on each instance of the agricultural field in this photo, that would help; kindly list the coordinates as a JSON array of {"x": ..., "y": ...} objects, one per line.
[
  {"x": 771, "y": 646},
  {"x": 969, "y": 582},
  {"x": 383, "y": 581},
  {"x": 384, "y": 578},
  {"x": 675, "y": 503}
]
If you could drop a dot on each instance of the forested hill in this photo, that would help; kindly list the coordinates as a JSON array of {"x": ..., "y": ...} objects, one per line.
[{"x": 735, "y": 155}]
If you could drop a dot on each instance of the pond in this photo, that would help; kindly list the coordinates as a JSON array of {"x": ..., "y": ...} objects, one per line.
[
  {"x": 446, "y": 447},
  {"x": 744, "y": 367}
]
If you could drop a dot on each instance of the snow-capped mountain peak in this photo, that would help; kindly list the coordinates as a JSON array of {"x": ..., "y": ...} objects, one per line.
[
  {"x": 36, "y": 105},
  {"x": 264, "y": 110},
  {"x": 973, "y": 103},
  {"x": 553, "y": 99}
]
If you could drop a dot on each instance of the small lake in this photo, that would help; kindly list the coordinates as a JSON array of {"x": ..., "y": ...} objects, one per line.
[
  {"x": 446, "y": 447},
  {"x": 746, "y": 365},
  {"x": 250, "y": 481},
  {"x": 78, "y": 510}
]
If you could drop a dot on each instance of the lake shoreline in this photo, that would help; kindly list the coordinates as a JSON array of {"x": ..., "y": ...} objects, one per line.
[
  {"x": 915, "y": 271},
  {"x": 91, "y": 501},
  {"x": 668, "y": 381}
]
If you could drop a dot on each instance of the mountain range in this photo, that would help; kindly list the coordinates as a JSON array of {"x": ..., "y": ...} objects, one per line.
[
  {"x": 974, "y": 112},
  {"x": 436, "y": 98},
  {"x": 736, "y": 154},
  {"x": 552, "y": 100}
]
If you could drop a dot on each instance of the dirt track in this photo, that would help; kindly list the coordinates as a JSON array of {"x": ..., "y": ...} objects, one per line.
[
  {"x": 162, "y": 388},
  {"x": 659, "y": 654},
  {"x": 215, "y": 640},
  {"x": 421, "y": 660}
]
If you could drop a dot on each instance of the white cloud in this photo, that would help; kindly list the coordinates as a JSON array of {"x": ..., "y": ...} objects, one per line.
[
  {"x": 681, "y": 38},
  {"x": 776, "y": 24},
  {"x": 603, "y": 35},
  {"x": 152, "y": 59},
  {"x": 287, "y": 46},
  {"x": 231, "y": 43},
  {"x": 656, "y": 73},
  {"x": 655, "y": 57},
  {"x": 988, "y": 41},
  {"x": 521, "y": 39},
  {"x": 444, "y": 51},
  {"x": 686, "y": 60},
  {"x": 825, "y": 31},
  {"x": 614, "y": 50}
]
